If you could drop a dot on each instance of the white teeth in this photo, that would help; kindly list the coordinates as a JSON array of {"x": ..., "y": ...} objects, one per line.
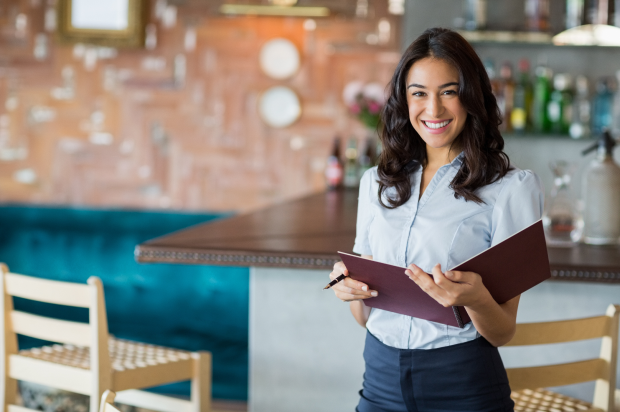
[{"x": 437, "y": 125}]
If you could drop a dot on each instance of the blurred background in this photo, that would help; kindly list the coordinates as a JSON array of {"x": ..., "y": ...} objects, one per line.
[{"x": 125, "y": 120}]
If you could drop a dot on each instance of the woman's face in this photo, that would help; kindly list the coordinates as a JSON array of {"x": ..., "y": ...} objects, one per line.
[{"x": 435, "y": 110}]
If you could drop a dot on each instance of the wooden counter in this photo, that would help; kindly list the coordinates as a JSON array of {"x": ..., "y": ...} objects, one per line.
[{"x": 307, "y": 232}]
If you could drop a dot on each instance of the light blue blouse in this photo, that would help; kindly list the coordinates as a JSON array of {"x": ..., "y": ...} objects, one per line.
[{"x": 438, "y": 228}]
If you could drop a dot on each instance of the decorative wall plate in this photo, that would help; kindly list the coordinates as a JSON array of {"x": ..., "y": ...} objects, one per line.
[
  {"x": 279, "y": 107},
  {"x": 279, "y": 58}
]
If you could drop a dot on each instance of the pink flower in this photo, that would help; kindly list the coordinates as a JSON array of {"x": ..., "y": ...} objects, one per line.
[
  {"x": 355, "y": 108},
  {"x": 374, "y": 107}
]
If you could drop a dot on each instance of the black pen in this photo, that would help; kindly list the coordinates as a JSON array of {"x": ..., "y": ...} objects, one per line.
[{"x": 333, "y": 282}]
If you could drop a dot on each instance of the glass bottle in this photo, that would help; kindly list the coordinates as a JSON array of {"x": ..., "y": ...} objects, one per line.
[
  {"x": 599, "y": 12},
  {"x": 602, "y": 105},
  {"x": 560, "y": 105},
  {"x": 505, "y": 95},
  {"x": 520, "y": 118},
  {"x": 562, "y": 218},
  {"x": 537, "y": 15},
  {"x": 475, "y": 14},
  {"x": 333, "y": 171},
  {"x": 542, "y": 93},
  {"x": 602, "y": 195},
  {"x": 580, "y": 126},
  {"x": 367, "y": 159},
  {"x": 615, "y": 125},
  {"x": 350, "y": 167},
  {"x": 574, "y": 13}
]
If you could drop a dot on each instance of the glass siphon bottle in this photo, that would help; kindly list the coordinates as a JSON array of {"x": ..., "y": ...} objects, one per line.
[{"x": 601, "y": 183}]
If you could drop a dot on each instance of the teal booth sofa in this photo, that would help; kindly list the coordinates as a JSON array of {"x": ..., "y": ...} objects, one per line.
[{"x": 182, "y": 306}]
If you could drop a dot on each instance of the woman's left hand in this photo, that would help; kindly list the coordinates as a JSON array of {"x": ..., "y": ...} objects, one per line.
[{"x": 452, "y": 288}]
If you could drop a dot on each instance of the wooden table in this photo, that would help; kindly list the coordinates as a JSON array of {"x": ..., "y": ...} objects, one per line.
[
  {"x": 296, "y": 329},
  {"x": 306, "y": 233}
]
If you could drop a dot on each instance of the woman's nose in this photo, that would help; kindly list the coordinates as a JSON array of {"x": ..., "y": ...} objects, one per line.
[{"x": 434, "y": 107}]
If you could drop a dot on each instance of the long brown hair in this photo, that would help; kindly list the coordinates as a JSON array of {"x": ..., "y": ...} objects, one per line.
[{"x": 404, "y": 151}]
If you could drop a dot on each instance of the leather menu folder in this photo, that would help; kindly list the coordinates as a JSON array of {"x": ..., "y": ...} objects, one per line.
[{"x": 507, "y": 269}]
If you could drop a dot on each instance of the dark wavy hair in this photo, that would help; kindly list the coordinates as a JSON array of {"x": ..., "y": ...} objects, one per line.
[{"x": 404, "y": 151}]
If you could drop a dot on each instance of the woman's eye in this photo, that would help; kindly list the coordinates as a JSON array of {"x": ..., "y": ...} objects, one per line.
[
  {"x": 450, "y": 92},
  {"x": 418, "y": 94}
]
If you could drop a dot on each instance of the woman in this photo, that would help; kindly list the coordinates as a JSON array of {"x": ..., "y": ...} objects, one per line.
[{"x": 443, "y": 191}]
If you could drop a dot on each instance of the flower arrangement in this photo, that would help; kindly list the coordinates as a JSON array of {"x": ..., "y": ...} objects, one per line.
[{"x": 365, "y": 101}]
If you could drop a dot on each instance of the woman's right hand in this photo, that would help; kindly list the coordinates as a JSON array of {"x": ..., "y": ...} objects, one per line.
[{"x": 348, "y": 289}]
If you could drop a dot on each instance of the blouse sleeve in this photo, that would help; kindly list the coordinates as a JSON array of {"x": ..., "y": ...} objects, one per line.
[
  {"x": 364, "y": 215},
  {"x": 519, "y": 204}
]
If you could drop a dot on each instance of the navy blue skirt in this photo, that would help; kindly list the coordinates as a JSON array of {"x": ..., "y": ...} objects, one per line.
[{"x": 466, "y": 377}]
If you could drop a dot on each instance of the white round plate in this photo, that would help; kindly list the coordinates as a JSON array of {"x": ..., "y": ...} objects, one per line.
[
  {"x": 279, "y": 106},
  {"x": 279, "y": 58}
]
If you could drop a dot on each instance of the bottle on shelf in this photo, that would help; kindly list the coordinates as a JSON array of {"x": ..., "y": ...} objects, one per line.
[
  {"x": 599, "y": 12},
  {"x": 475, "y": 14},
  {"x": 580, "y": 125},
  {"x": 351, "y": 177},
  {"x": 602, "y": 194},
  {"x": 333, "y": 171},
  {"x": 368, "y": 158},
  {"x": 575, "y": 15},
  {"x": 602, "y": 105},
  {"x": 562, "y": 218},
  {"x": 615, "y": 125},
  {"x": 560, "y": 107},
  {"x": 505, "y": 95},
  {"x": 537, "y": 15},
  {"x": 542, "y": 93},
  {"x": 520, "y": 116},
  {"x": 489, "y": 66}
]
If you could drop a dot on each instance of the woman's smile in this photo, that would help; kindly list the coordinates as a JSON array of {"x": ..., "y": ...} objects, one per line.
[{"x": 436, "y": 126}]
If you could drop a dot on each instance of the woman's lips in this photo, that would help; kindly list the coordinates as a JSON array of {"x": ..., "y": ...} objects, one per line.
[{"x": 433, "y": 130}]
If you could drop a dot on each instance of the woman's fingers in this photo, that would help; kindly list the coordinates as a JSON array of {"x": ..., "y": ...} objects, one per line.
[{"x": 349, "y": 289}]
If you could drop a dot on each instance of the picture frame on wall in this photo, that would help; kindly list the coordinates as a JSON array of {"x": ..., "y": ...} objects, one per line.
[{"x": 111, "y": 23}]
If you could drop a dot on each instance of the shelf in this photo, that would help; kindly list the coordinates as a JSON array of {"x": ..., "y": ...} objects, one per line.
[
  {"x": 524, "y": 37},
  {"x": 541, "y": 136}
]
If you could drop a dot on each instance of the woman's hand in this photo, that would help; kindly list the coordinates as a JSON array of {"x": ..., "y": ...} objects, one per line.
[
  {"x": 497, "y": 323},
  {"x": 349, "y": 290},
  {"x": 452, "y": 288}
]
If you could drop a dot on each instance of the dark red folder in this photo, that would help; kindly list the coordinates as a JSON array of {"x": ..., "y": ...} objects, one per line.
[{"x": 507, "y": 270}]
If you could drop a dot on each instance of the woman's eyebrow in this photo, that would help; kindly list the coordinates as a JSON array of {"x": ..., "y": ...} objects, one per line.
[{"x": 443, "y": 86}]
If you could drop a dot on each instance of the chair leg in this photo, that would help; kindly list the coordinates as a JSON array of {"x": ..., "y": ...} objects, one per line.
[
  {"x": 201, "y": 382},
  {"x": 95, "y": 401},
  {"x": 9, "y": 393}
]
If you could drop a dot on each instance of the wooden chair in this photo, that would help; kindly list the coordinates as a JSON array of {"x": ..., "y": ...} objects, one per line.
[
  {"x": 527, "y": 383},
  {"x": 106, "y": 402},
  {"x": 87, "y": 360}
]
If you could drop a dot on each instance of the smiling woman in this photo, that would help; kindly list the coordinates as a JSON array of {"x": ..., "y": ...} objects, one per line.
[{"x": 443, "y": 192}]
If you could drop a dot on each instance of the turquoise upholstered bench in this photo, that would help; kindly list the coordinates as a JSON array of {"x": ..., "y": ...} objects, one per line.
[{"x": 183, "y": 306}]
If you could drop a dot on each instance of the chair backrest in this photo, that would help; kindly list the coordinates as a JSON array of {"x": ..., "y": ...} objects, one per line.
[
  {"x": 106, "y": 402},
  {"x": 93, "y": 334},
  {"x": 601, "y": 369}
]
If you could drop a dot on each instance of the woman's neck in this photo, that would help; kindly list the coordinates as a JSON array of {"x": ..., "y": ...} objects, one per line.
[{"x": 437, "y": 157}]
